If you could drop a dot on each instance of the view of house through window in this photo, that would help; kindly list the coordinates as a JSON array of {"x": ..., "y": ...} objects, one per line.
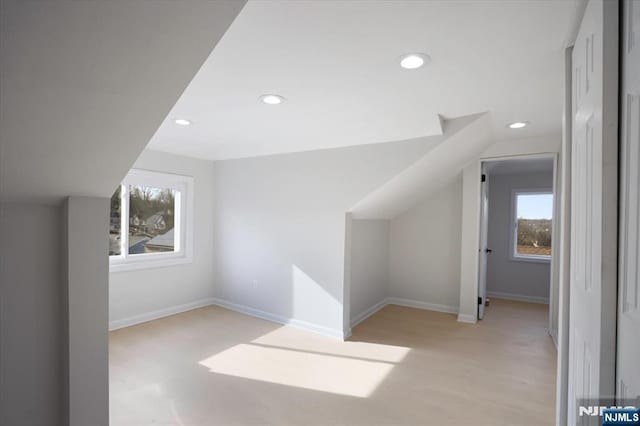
[
  {"x": 151, "y": 220},
  {"x": 533, "y": 224}
]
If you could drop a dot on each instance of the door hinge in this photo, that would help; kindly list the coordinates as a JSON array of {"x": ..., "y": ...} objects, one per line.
[
  {"x": 479, "y": 300},
  {"x": 483, "y": 178}
]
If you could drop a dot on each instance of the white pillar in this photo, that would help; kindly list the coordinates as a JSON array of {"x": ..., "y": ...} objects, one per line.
[{"x": 86, "y": 316}]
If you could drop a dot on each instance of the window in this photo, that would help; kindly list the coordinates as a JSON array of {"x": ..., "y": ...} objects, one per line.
[
  {"x": 150, "y": 221},
  {"x": 532, "y": 225}
]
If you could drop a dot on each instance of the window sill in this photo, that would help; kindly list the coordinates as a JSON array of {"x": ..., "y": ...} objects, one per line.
[
  {"x": 530, "y": 259},
  {"x": 118, "y": 265}
]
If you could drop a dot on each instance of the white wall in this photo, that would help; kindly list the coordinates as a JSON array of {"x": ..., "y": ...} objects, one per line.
[
  {"x": 280, "y": 227},
  {"x": 135, "y": 294},
  {"x": 425, "y": 249},
  {"x": 505, "y": 276},
  {"x": 270, "y": 237},
  {"x": 369, "y": 265},
  {"x": 31, "y": 377}
]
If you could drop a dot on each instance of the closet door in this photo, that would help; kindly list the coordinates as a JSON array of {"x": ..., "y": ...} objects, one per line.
[
  {"x": 594, "y": 211},
  {"x": 628, "y": 345}
]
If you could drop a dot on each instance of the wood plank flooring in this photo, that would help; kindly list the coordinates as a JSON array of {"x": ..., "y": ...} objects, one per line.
[{"x": 402, "y": 366}]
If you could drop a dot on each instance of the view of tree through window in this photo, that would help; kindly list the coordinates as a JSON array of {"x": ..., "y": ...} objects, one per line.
[
  {"x": 533, "y": 228},
  {"x": 150, "y": 224},
  {"x": 151, "y": 220},
  {"x": 114, "y": 223}
]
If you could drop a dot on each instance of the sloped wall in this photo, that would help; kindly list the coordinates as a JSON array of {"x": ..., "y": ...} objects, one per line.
[
  {"x": 84, "y": 87},
  {"x": 280, "y": 228},
  {"x": 433, "y": 243},
  {"x": 464, "y": 139}
]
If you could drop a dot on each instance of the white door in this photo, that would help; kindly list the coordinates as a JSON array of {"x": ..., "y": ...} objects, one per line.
[
  {"x": 483, "y": 249},
  {"x": 628, "y": 365},
  {"x": 592, "y": 309}
]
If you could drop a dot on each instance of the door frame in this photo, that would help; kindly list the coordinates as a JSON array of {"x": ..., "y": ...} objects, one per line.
[
  {"x": 628, "y": 316},
  {"x": 556, "y": 231},
  {"x": 483, "y": 241}
]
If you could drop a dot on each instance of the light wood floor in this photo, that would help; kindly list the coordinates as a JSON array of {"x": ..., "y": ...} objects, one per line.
[{"x": 212, "y": 366}]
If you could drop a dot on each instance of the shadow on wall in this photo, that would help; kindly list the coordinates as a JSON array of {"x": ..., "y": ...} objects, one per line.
[
  {"x": 280, "y": 260},
  {"x": 305, "y": 288},
  {"x": 282, "y": 211},
  {"x": 280, "y": 228}
]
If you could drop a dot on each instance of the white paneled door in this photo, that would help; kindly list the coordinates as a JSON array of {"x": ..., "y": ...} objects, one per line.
[
  {"x": 628, "y": 363},
  {"x": 594, "y": 177}
]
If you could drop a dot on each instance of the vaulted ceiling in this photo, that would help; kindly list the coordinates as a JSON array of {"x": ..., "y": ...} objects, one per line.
[
  {"x": 336, "y": 63},
  {"x": 85, "y": 84}
]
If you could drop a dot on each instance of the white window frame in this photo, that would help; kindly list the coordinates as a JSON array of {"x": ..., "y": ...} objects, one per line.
[
  {"x": 513, "y": 227},
  {"x": 183, "y": 222}
]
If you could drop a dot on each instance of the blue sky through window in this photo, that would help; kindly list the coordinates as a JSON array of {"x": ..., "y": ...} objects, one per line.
[{"x": 535, "y": 206}]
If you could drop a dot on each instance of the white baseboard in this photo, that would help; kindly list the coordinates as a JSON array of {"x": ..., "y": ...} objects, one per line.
[
  {"x": 402, "y": 302},
  {"x": 422, "y": 305},
  {"x": 160, "y": 313},
  {"x": 554, "y": 337},
  {"x": 471, "y": 319},
  {"x": 518, "y": 297},
  {"x": 368, "y": 312},
  {"x": 304, "y": 325}
]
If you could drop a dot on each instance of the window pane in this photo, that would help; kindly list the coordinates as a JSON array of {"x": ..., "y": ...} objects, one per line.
[
  {"x": 114, "y": 224},
  {"x": 151, "y": 220},
  {"x": 534, "y": 213}
]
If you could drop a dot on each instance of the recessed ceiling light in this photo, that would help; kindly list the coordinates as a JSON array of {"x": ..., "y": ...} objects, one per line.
[
  {"x": 413, "y": 61},
  {"x": 272, "y": 99},
  {"x": 182, "y": 122},
  {"x": 518, "y": 125}
]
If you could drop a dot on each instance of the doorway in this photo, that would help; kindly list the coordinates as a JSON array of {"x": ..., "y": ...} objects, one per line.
[{"x": 516, "y": 232}]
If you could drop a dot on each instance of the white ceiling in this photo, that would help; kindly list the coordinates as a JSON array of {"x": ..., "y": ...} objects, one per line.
[{"x": 336, "y": 63}]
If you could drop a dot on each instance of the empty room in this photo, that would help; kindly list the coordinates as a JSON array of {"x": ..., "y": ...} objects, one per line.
[{"x": 313, "y": 212}]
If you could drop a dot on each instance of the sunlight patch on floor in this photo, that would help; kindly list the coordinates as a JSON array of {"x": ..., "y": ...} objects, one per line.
[
  {"x": 291, "y": 338},
  {"x": 302, "y": 368}
]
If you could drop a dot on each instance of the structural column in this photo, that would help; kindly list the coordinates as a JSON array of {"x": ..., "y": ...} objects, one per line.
[{"x": 85, "y": 310}]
